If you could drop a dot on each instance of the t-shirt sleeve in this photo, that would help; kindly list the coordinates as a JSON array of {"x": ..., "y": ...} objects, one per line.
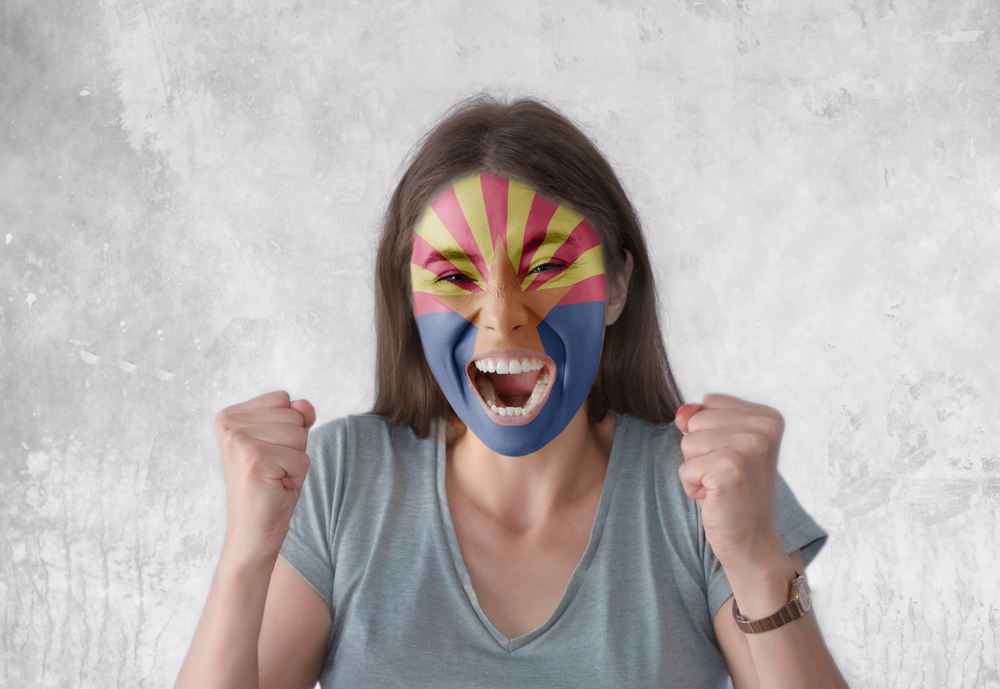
[
  {"x": 308, "y": 547},
  {"x": 797, "y": 529}
]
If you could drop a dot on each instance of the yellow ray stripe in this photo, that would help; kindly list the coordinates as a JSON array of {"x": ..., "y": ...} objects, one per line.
[
  {"x": 562, "y": 224},
  {"x": 427, "y": 281},
  {"x": 519, "y": 198},
  {"x": 469, "y": 192},
  {"x": 433, "y": 230},
  {"x": 589, "y": 263},
  {"x": 560, "y": 227}
]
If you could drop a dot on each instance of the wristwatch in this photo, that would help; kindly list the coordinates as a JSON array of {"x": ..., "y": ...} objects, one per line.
[{"x": 800, "y": 602}]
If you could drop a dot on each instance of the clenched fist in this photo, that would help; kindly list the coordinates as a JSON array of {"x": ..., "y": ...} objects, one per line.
[
  {"x": 730, "y": 464},
  {"x": 263, "y": 445}
]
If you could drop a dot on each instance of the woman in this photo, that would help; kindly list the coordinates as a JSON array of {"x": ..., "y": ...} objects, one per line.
[{"x": 526, "y": 505}]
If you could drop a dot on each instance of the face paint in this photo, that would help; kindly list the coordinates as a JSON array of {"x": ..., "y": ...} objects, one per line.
[{"x": 508, "y": 291}]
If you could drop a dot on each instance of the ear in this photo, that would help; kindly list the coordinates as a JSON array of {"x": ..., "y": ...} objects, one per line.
[{"x": 618, "y": 293}]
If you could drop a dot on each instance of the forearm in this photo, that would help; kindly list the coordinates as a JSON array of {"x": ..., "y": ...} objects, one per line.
[
  {"x": 223, "y": 653},
  {"x": 795, "y": 654}
]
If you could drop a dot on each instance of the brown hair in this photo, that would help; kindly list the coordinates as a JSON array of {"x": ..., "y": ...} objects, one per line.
[{"x": 531, "y": 143}]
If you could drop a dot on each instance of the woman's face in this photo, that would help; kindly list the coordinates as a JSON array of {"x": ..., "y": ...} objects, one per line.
[{"x": 508, "y": 291}]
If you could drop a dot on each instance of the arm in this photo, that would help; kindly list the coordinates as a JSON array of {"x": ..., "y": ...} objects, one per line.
[
  {"x": 297, "y": 624},
  {"x": 223, "y": 651},
  {"x": 255, "y": 634},
  {"x": 793, "y": 655},
  {"x": 730, "y": 467},
  {"x": 263, "y": 625}
]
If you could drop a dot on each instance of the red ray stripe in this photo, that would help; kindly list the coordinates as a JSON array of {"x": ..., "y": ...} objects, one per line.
[
  {"x": 424, "y": 254},
  {"x": 588, "y": 289},
  {"x": 450, "y": 212},
  {"x": 428, "y": 303},
  {"x": 542, "y": 278},
  {"x": 539, "y": 216},
  {"x": 582, "y": 238},
  {"x": 495, "y": 197}
]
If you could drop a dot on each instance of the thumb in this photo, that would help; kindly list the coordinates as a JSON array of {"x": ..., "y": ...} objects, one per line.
[
  {"x": 684, "y": 414},
  {"x": 305, "y": 408}
]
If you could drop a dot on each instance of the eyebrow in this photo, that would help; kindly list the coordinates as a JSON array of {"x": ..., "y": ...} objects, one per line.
[
  {"x": 451, "y": 255},
  {"x": 559, "y": 237}
]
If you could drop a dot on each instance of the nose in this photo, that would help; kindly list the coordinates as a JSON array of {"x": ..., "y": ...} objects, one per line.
[
  {"x": 502, "y": 307},
  {"x": 503, "y": 312}
]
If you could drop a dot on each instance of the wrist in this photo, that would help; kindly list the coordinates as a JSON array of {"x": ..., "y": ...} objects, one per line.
[
  {"x": 245, "y": 560},
  {"x": 761, "y": 585}
]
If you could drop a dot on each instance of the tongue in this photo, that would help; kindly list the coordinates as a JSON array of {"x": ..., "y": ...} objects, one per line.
[
  {"x": 513, "y": 383},
  {"x": 514, "y": 389}
]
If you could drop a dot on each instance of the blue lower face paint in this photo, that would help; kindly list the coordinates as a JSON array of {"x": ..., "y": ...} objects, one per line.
[{"x": 571, "y": 335}]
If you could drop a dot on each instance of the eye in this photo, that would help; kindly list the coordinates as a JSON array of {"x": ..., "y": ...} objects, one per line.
[
  {"x": 455, "y": 278},
  {"x": 545, "y": 268}
]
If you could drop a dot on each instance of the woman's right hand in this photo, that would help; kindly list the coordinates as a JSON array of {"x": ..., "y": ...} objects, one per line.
[{"x": 263, "y": 445}]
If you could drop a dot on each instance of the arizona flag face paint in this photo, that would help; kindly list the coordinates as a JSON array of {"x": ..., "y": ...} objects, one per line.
[{"x": 508, "y": 291}]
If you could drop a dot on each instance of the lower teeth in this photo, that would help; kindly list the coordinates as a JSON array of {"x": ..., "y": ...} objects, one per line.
[{"x": 486, "y": 390}]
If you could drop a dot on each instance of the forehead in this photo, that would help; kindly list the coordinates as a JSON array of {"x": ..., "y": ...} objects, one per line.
[
  {"x": 485, "y": 223},
  {"x": 483, "y": 212}
]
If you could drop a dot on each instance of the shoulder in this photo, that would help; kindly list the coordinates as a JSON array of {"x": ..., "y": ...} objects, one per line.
[
  {"x": 355, "y": 446},
  {"x": 362, "y": 431},
  {"x": 652, "y": 494},
  {"x": 653, "y": 453},
  {"x": 655, "y": 446},
  {"x": 650, "y": 459}
]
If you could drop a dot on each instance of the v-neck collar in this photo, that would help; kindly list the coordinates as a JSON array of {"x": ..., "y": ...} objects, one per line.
[{"x": 581, "y": 568}]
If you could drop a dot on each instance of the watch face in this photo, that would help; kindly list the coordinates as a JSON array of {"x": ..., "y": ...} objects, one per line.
[{"x": 803, "y": 596}]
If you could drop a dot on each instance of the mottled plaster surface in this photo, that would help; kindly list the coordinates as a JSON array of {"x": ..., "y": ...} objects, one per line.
[{"x": 189, "y": 194}]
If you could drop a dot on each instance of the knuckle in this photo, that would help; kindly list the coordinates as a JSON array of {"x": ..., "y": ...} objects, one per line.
[
  {"x": 771, "y": 427},
  {"x": 755, "y": 443},
  {"x": 222, "y": 419},
  {"x": 731, "y": 460},
  {"x": 252, "y": 454},
  {"x": 687, "y": 444},
  {"x": 297, "y": 439},
  {"x": 230, "y": 439},
  {"x": 255, "y": 448},
  {"x": 687, "y": 471},
  {"x": 712, "y": 399},
  {"x": 236, "y": 440},
  {"x": 731, "y": 470}
]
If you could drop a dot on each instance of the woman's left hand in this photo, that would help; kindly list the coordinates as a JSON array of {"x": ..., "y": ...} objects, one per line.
[{"x": 730, "y": 451}]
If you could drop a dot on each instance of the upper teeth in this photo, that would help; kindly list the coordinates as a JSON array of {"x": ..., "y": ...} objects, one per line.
[{"x": 508, "y": 366}]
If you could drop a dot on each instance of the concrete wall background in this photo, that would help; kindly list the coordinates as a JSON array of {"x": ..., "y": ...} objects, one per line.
[{"x": 189, "y": 194}]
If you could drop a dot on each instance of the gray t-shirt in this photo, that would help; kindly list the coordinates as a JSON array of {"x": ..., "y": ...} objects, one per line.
[{"x": 372, "y": 533}]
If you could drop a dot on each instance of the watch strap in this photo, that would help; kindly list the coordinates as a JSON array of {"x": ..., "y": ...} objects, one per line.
[{"x": 788, "y": 613}]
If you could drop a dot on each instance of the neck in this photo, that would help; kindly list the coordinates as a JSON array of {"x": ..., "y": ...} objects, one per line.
[{"x": 522, "y": 492}]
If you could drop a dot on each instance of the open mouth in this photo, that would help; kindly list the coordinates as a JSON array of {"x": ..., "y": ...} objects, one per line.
[{"x": 512, "y": 384}]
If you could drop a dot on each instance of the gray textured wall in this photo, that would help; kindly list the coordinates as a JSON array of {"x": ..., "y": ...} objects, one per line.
[{"x": 189, "y": 193}]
